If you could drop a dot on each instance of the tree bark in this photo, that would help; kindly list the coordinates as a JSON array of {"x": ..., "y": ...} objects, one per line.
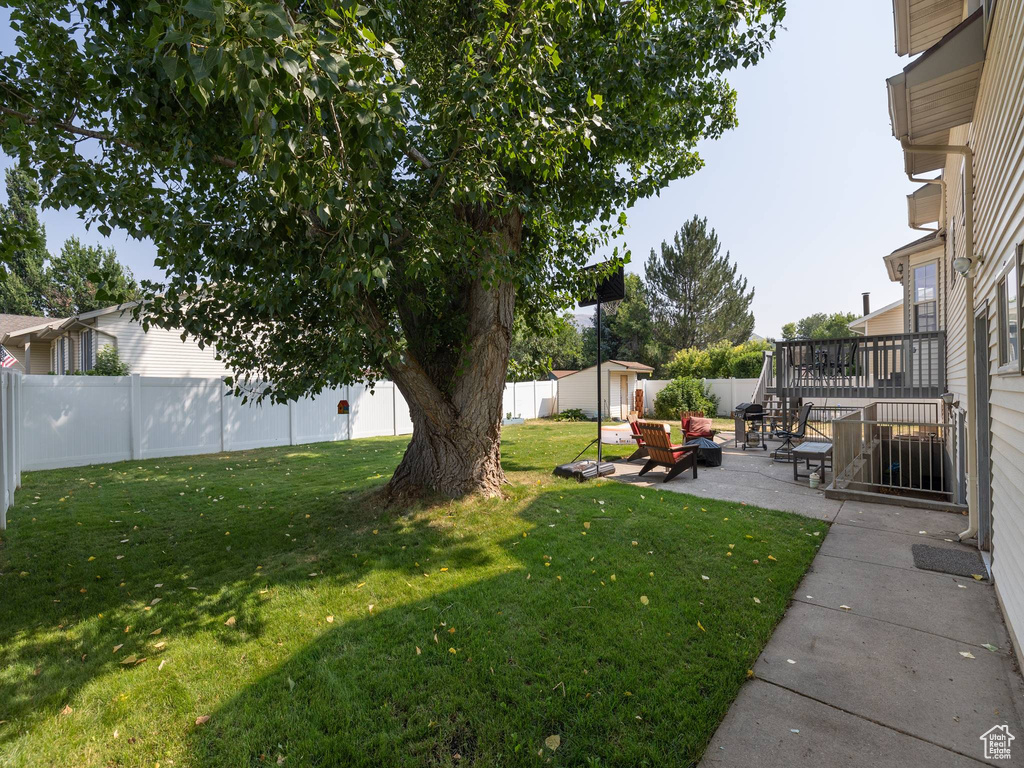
[{"x": 455, "y": 448}]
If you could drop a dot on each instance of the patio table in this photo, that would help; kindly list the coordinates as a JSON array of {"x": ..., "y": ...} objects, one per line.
[{"x": 820, "y": 452}]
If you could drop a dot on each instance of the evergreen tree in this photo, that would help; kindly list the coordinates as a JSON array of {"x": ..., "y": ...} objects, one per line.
[
  {"x": 697, "y": 297},
  {"x": 22, "y": 247}
]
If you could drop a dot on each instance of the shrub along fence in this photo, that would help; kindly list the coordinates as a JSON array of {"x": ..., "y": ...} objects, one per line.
[
  {"x": 47, "y": 422},
  {"x": 730, "y": 392}
]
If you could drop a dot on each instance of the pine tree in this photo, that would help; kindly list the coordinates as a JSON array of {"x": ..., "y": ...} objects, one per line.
[
  {"x": 697, "y": 298},
  {"x": 22, "y": 247}
]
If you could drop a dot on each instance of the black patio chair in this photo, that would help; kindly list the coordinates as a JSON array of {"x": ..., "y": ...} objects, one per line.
[{"x": 785, "y": 451}]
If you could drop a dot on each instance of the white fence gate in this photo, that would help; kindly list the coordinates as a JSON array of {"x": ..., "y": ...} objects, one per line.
[{"x": 48, "y": 422}]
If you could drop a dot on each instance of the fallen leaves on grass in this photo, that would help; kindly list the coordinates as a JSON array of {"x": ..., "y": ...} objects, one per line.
[
  {"x": 202, "y": 720},
  {"x": 230, "y": 622},
  {"x": 553, "y": 742}
]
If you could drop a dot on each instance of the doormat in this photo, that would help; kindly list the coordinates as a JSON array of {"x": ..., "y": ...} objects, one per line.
[{"x": 959, "y": 562}]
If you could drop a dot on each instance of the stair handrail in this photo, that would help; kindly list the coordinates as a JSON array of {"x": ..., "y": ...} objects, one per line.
[{"x": 761, "y": 386}]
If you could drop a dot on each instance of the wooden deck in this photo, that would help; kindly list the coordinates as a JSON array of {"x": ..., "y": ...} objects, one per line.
[{"x": 891, "y": 366}]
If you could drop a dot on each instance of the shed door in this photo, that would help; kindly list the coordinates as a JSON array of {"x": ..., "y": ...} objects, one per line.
[{"x": 624, "y": 395}]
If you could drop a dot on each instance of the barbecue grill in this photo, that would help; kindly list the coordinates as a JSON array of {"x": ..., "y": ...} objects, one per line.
[{"x": 749, "y": 426}]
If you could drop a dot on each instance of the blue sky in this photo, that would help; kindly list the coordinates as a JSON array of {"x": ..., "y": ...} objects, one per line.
[{"x": 807, "y": 193}]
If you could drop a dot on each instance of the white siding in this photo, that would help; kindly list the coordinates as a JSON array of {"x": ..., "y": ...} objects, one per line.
[
  {"x": 997, "y": 137},
  {"x": 156, "y": 352},
  {"x": 579, "y": 390}
]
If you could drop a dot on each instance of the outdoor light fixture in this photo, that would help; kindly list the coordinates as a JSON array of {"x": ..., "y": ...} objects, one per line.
[
  {"x": 949, "y": 399},
  {"x": 962, "y": 264}
]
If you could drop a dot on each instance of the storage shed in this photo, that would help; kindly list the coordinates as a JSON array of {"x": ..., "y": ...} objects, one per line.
[{"x": 579, "y": 389}]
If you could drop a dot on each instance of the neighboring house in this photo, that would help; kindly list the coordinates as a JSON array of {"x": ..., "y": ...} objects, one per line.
[
  {"x": 578, "y": 389},
  {"x": 888, "y": 319},
  {"x": 14, "y": 323},
  {"x": 68, "y": 345},
  {"x": 966, "y": 90}
]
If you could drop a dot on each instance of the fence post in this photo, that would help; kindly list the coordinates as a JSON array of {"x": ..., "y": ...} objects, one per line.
[
  {"x": 5, "y": 449},
  {"x": 19, "y": 382},
  {"x": 291, "y": 421},
  {"x": 135, "y": 415},
  {"x": 221, "y": 395}
]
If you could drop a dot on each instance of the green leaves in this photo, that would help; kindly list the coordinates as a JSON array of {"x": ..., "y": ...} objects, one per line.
[
  {"x": 201, "y": 9},
  {"x": 326, "y": 182}
]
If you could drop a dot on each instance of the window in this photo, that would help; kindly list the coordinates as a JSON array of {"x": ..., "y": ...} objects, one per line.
[
  {"x": 87, "y": 345},
  {"x": 926, "y": 297},
  {"x": 62, "y": 356},
  {"x": 1008, "y": 295}
]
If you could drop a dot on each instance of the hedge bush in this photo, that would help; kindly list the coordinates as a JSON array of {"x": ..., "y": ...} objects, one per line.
[{"x": 685, "y": 393}]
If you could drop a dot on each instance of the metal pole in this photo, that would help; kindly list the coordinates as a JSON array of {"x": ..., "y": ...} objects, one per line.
[{"x": 599, "y": 382}]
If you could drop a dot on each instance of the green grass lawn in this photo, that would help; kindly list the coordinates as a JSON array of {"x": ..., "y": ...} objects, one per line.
[{"x": 266, "y": 591}]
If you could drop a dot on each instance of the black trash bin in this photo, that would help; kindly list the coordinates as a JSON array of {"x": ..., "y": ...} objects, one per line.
[{"x": 709, "y": 453}]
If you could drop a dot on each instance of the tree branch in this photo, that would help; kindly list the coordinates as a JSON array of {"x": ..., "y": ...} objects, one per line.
[{"x": 88, "y": 133}]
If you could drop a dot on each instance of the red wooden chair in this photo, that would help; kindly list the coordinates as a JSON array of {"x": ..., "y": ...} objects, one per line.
[
  {"x": 641, "y": 447},
  {"x": 661, "y": 452},
  {"x": 692, "y": 430}
]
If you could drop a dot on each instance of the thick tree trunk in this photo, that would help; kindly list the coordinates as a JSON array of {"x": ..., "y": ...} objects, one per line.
[{"x": 455, "y": 448}]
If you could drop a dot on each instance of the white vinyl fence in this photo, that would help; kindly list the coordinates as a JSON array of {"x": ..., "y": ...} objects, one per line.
[
  {"x": 49, "y": 422},
  {"x": 730, "y": 392}
]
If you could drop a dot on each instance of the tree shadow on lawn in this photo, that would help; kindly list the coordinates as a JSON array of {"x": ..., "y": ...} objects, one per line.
[
  {"x": 90, "y": 570},
  {"x": 482, "y": 674}
]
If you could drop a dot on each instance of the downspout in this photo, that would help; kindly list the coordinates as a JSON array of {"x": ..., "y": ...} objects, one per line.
[{"x": 972, "y": 407}]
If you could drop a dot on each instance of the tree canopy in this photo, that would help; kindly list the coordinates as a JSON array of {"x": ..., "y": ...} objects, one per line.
[
  {"x": 22, "y": 248},
  {"x": 821, "y": 326},
  {"x": 553, "y": 343},
  {"x": 341, "y": 191},
  {"x": 75, "y": 275},
  {"x": 697, "y": 296}
]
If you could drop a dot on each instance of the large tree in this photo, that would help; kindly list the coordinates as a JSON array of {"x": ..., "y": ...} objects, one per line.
[
  {"x": 696, "y": 294},
  {"x": 75, "y": 275},
  {"x": 22, "y": 247},
  {"x": 820, "y": 325},
  {"x": 341, "y": 191}
]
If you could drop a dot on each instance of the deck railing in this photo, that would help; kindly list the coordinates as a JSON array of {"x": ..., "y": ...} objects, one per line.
[
  {"x": 902, "y": 365},
  {"x": 895, "y": 449}
]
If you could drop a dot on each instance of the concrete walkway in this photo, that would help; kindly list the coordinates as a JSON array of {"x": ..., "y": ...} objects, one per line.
[{"x": 867, "y": 667}]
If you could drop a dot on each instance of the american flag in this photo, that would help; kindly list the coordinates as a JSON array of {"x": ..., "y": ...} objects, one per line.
[{"x": 6, "y": 358}]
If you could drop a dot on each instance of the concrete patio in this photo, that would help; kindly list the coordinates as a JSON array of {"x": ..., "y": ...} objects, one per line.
[
  {"x": 747, "y": 476},
  {"x": 876, "y": 662}
]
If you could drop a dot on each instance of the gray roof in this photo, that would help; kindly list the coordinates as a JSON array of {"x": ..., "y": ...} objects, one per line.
[{"x": 12, "y": 323}]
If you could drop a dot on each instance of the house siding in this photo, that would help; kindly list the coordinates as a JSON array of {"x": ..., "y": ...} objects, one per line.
[
  {"x": 885, "y": 323},
  {"x": 156, "y": 352},
  {"x": 997, "y": 138}
]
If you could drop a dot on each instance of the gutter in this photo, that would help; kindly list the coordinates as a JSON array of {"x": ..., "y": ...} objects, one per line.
[{"x": 972, "y": 407}]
